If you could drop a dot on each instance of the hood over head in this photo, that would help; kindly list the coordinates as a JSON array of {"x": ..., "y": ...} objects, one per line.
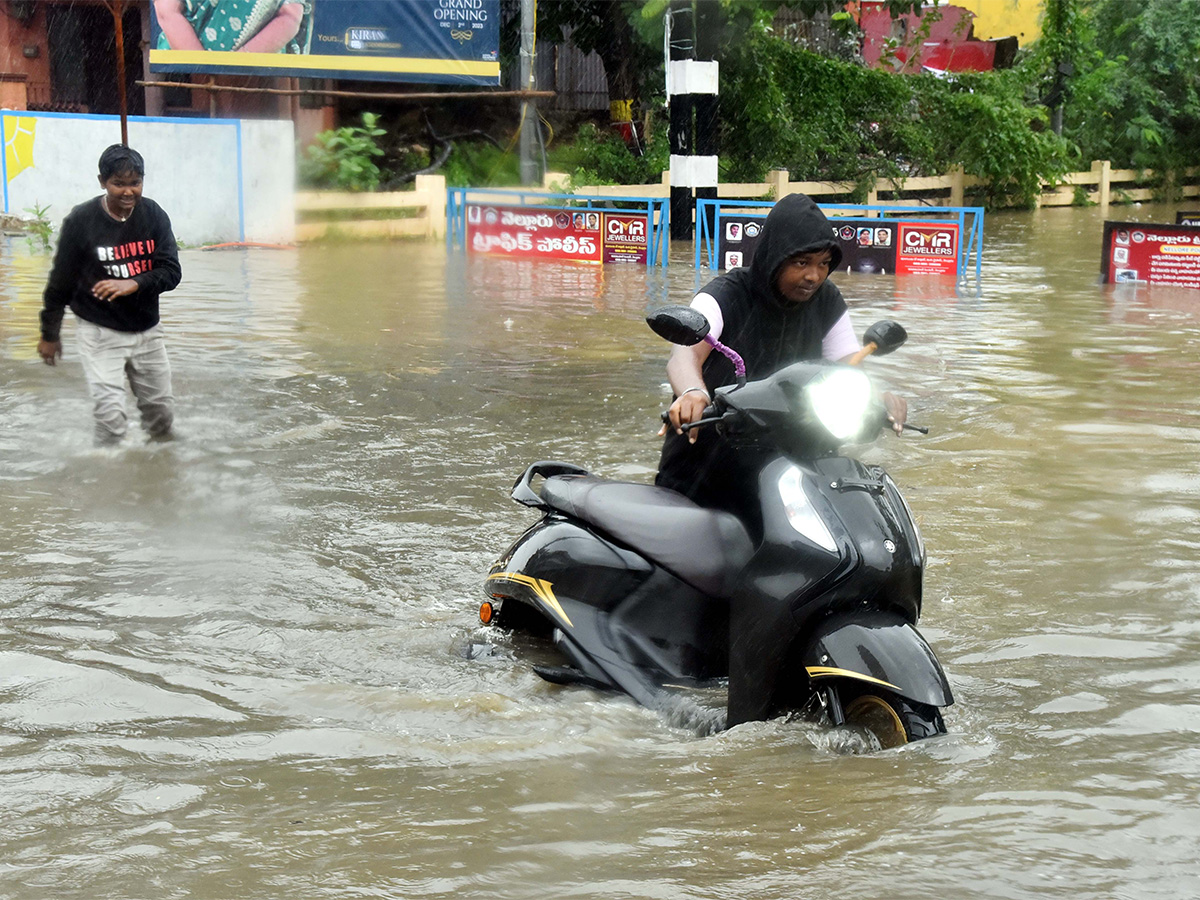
[{"x": 794, "y": 225}]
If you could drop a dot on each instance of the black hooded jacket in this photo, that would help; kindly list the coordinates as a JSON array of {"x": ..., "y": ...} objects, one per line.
[{"x": 768, "y": 331}]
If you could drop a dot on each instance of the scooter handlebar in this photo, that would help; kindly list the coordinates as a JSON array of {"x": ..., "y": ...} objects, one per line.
[{"x": 708, "y": 417}]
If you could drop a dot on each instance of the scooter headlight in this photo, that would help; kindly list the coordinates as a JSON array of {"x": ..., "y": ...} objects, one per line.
[
  {"x": 800, "y": 513},
  {"x": 840, "y": 397}
]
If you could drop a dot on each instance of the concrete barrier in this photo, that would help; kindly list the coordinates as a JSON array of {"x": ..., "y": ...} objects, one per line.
[{"x": 220, "y": 180}]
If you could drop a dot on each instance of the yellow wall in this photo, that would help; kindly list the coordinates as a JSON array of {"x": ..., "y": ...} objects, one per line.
[{"x": 1001, "y": 18}]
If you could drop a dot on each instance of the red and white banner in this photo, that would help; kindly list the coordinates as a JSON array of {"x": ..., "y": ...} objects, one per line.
[
  {"x": 534, "y": 234},
  {"x": 1158, "y": 254},
  {"x": 626, "y": 238},
  {"x": 586, "y": 235},
  {"x": 875, "y": 246},
  {"x": 927, "y": 249}
]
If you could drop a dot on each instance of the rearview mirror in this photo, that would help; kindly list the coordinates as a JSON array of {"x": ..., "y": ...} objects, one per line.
[
  {"x": 680, "y": 324},
  {"x": 887, "y": 335}
]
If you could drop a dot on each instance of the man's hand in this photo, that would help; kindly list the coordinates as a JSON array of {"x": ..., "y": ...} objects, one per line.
[
  {"x": 112, "y": 288},
  {"x": 688, "y": 408},
  {"x": 897, "y": 411},
  {"x": 50, "y": 351}
]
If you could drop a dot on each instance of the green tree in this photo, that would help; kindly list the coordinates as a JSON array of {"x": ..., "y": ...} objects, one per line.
[
  {"x": 821, "y": 118},
  {"x": 1136, "y": 100}
]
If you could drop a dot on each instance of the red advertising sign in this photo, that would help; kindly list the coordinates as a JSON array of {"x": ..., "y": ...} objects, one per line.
[
  {"x": 534, "y": 233},
  {"x": 1158, "y": 254},
  {"x": 586, "y": 235},
  {"x": 625, "y": 238},
  {"x": 927, "y": 249},
  {"x": 873, "y": 246}
]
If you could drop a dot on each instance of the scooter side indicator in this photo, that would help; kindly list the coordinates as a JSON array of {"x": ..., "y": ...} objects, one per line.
[
  {"x": 543, "y": 590},
  {"x": 832, "y": 672}
]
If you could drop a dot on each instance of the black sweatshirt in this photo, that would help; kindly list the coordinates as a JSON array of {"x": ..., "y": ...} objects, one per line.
[
  {"x": 93, "y": 246},
  {"x": 770, "y": 333}
]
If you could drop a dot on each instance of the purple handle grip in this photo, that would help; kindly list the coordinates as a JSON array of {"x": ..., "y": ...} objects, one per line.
[{"x": 739, "y": 366}]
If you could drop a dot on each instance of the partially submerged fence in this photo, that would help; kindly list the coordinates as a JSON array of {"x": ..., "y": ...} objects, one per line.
[
  {"x": 423, "y": 212},
  {"x": 879, "y": 238},
  {"x": 1102, "y": 185},
  {"x": 547, "y": 225}
]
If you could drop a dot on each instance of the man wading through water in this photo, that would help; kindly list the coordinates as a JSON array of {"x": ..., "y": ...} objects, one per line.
[{"x": 116, "y": 254}]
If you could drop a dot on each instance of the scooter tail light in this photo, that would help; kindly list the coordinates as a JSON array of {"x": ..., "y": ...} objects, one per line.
[{"x": 800, "y": 513}]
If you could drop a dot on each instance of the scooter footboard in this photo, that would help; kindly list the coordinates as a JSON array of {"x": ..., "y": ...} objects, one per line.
[{"x": 880, "y": 649}]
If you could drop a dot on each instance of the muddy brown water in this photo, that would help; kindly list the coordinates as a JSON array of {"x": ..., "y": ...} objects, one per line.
[{"x": 234, "y": 666}]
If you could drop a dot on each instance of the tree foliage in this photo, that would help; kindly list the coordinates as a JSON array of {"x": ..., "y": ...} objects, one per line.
[
  {"x": 783, "y": 107},
  {"x": 345, "y": 157},
  {"x": 1136, "y": 97}
]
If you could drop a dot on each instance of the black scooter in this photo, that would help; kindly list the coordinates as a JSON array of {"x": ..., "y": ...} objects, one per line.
[{"x": 641, "y": 590}]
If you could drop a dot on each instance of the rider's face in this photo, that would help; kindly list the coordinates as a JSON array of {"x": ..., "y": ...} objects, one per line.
[{"x": 799, "y": 276}]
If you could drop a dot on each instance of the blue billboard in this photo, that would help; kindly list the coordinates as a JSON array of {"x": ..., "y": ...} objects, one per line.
[{"x": 431, "y": 41}]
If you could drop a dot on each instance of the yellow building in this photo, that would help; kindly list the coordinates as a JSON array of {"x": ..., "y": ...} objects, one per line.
[{"x": 1002, "y": 18}]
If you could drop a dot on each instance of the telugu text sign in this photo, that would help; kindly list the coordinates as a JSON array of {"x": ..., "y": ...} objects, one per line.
[
  {"x": 534, "y": 234},
  {"x": 1156, "y": 254}
]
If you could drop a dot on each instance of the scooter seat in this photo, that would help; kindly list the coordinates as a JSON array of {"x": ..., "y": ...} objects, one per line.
[{"x": 707, "y": 548}]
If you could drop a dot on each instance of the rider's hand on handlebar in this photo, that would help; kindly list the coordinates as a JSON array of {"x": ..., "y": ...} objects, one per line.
[
  {"x": 687, "y": 408},
  {"x": 897, "y": 411}
]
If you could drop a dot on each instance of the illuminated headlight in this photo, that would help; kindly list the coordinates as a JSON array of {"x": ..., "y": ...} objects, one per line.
[
  {"x": 840, "y": 398},
  {"x": 800, "y": 512}
]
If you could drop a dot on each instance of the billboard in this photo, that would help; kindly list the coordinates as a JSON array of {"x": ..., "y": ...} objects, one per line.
[
  {"x": 435, "y": 41},
  {"x": 584, "y": 235},
  {"x": 1187, "y": 218},
  {"x": 1157, "y": 254},
  {"x": 875, "y": 246}
]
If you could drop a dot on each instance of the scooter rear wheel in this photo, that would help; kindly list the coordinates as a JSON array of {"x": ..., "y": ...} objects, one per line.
[{"x": 893, "y": 720}]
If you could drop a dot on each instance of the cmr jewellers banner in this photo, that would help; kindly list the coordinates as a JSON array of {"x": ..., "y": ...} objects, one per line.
[
  {"x": 435, "y": 41},
  {"x": 1155, "y": 254},
  {"x": 875, "y": 246}
]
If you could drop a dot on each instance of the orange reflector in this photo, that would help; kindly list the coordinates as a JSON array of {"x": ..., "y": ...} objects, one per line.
[{"x": 486, "y": 612}]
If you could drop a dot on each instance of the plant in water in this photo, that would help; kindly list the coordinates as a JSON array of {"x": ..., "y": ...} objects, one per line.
[
  {"x": 345, "y": 157},
  {"x": 40, "y": 229}
]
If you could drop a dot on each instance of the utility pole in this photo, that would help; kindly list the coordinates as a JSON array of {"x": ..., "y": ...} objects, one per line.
[
  {"x": 692, "y": 96},
  {"x": 529, "y": 115},
  {"x": 681, "y": 46},
  {"x": 117, "y": 8},
  {"x": 707, "y": 106}
]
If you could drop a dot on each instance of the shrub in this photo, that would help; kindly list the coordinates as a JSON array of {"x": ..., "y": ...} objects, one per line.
[{"x": 345, "y": 157}]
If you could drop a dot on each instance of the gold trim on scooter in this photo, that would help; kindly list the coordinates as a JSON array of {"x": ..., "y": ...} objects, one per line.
[
  {"x": 831, "y": 672},
  {"x": 541, "y": 589}
]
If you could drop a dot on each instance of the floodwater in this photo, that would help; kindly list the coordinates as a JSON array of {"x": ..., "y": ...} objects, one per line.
[{"x": 238, "y": 665}]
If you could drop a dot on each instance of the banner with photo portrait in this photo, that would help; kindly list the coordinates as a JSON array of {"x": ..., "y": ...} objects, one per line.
[
  {"x": 429, "y": 41},
  {"x": 869, "y": 246},
  {"x": 1150, "y": 253},
  {"x": 575, "y": 235}
]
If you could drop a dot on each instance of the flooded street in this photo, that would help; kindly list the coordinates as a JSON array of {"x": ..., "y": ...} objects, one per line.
[{"x": 237, "y": 665}]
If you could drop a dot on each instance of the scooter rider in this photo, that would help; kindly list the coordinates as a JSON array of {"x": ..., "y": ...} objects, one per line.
[{"x": 779, "y": 310}]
